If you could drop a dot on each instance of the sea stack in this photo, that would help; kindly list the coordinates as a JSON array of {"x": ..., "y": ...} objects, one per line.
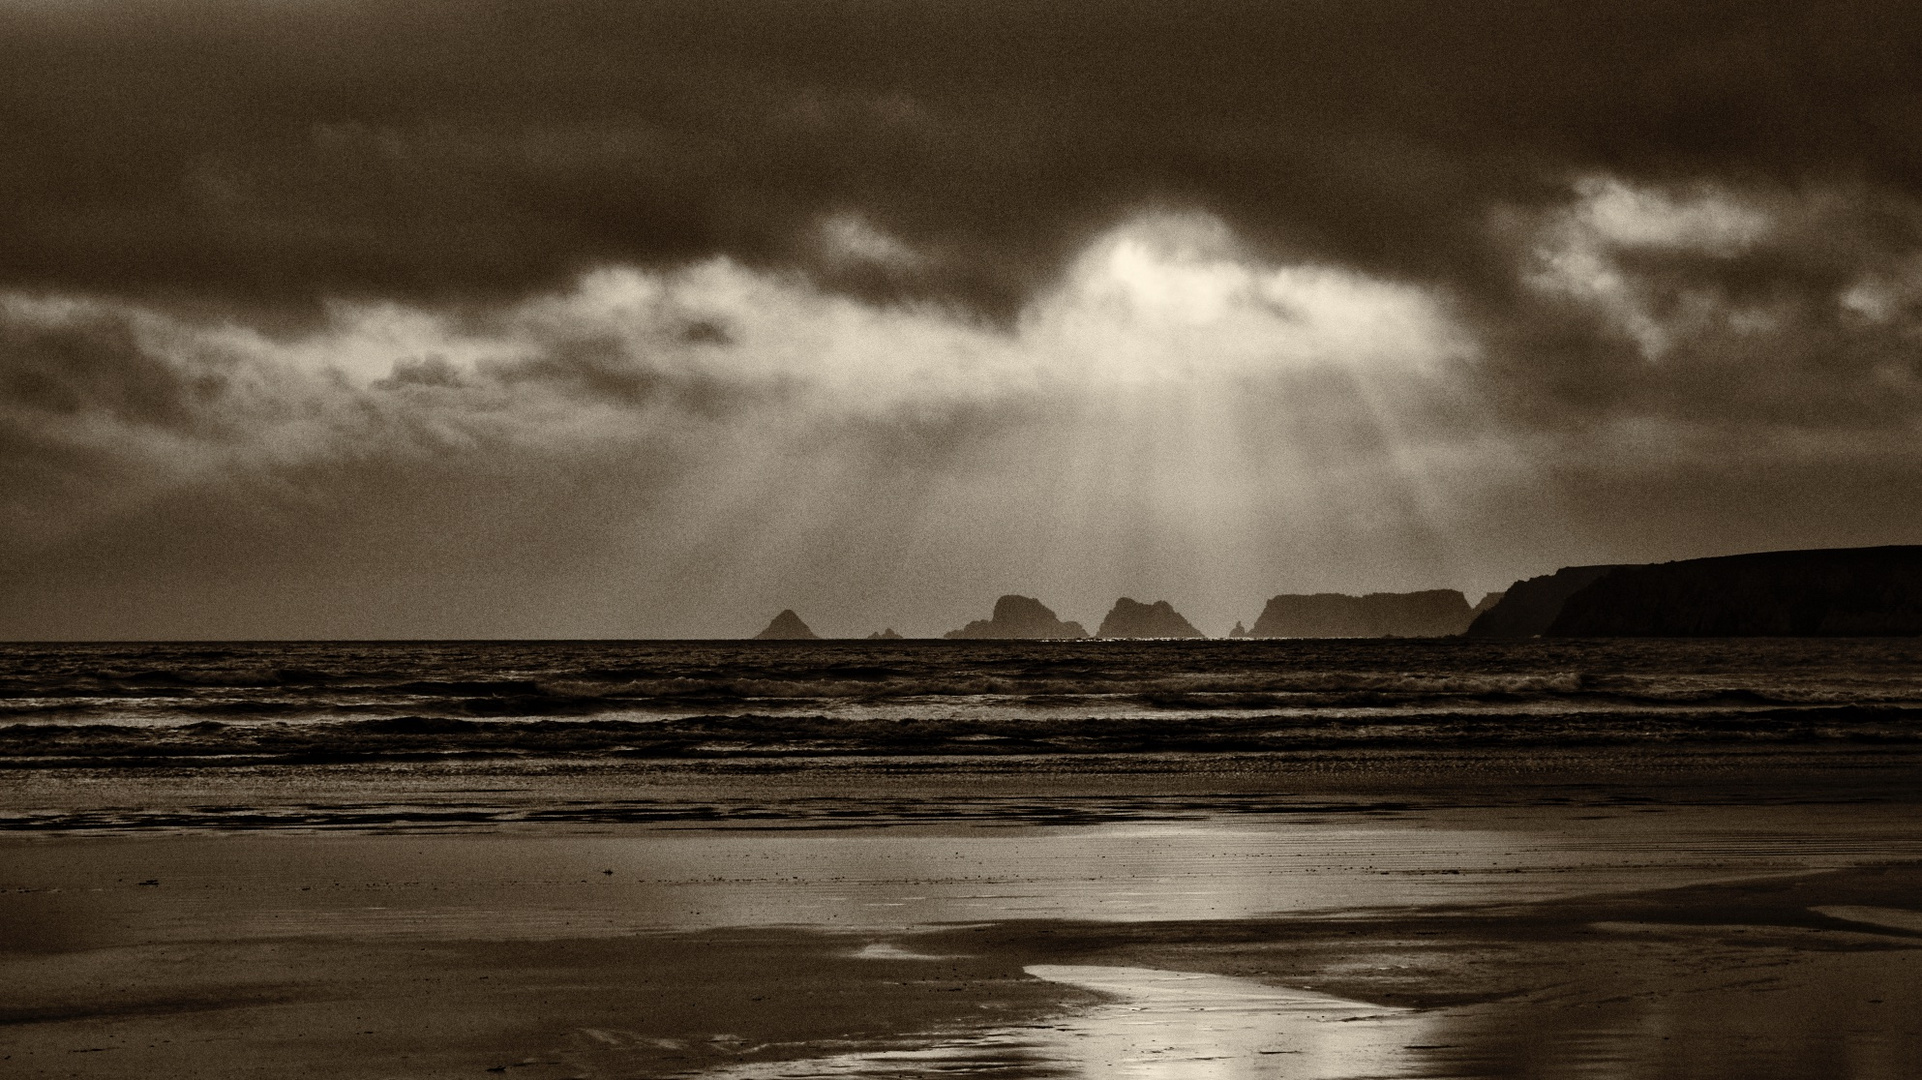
[
  {"x": 787, "y": 626},
  {"x": 884, "y": 635},
  {"x": 1134, "y": 619},
  {"x": 1020, "y": 617},
  {"x": 1430, "y": 613}
]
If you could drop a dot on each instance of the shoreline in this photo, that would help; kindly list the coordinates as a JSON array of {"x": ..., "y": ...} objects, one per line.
[{"x": 716, "y": 948}]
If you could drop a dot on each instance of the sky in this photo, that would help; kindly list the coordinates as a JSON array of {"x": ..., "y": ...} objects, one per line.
[{"x": 577, "y": 318}]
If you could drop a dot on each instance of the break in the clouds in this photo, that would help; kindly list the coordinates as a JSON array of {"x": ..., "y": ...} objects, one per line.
[{"x": 495, "y": 318}]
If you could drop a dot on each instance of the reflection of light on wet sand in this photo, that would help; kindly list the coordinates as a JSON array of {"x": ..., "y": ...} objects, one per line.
[
  {"x": 1890, "y": 918},
  {"x": 531, "y": 886},
  {"x": 1169, "y": 1023},
  {"x": 884, "y": 951},
  {"x": 1158, "y": 1025}
]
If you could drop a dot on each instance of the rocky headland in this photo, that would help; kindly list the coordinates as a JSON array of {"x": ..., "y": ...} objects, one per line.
[
  {"x": 1834, "y": 592},
  {"x": 1822, "y": 592},
  {"x": 1528, "y": 607}
]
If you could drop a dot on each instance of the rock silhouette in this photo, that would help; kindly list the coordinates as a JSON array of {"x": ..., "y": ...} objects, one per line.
[
  {"x": 1828, "y": 592},
  {"x": 884, "y": 635},
  {"x": 1528, "y": 607},
  {"x": 787, "y": 626},
  {"x": 1133, "y": 619},
  {"x": 1430, "y": 613},
  {"x": 1239, "y": 630},
  {"x": 1020, "y": 617}
]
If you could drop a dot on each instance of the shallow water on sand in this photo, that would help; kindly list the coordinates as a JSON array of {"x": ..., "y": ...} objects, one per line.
[
  {"x": 518, "y": 885},
  {"x": 1154, "y": 1025},
  {"x": 1546, "y": 943}
]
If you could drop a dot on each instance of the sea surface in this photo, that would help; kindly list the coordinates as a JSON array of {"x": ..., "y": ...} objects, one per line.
[
  {"x": 259, "y": 704},
  {"x": 767, "y": 860}
]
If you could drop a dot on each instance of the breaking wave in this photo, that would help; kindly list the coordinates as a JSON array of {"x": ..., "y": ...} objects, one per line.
[{"x": 122, "y": 705}]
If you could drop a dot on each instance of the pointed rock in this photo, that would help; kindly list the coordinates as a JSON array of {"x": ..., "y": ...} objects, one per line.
[
  {"x": 1134, "y": 619},
  {"x": 1239, "y": 630},
  {"x": 787, "y": 626},
  {"x": 885, "y": 635}
]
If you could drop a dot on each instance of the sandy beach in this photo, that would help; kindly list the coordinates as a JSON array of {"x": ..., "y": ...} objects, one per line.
[{"x": 1661, "y": 921}]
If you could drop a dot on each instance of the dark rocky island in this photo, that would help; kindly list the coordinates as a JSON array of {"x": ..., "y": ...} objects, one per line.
[
  {"x": 1430, "y": 613},
  {"x": 1134, "y": 619},
  {"x": 787, "y": 626},
  {"x": 884, "y": 635},
  {"x": 1020, "y": 617}
]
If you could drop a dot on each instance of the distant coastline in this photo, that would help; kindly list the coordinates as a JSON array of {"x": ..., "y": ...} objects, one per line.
[{"x": 1820, "y": 592}]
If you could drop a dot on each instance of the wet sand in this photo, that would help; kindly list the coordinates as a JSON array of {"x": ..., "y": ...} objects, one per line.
[{"x": 1172, "y": 925}]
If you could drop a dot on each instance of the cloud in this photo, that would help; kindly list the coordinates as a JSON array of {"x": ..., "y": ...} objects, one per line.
[
  {"x": 308, "y": 309},
  {"x": 1762, "y": 308},
  {"x": 629, "y": 354},
  {"x": 1175, "y": 413},
  {"x": 285, "y": 154},
  {"x": 735, "y": 421}
]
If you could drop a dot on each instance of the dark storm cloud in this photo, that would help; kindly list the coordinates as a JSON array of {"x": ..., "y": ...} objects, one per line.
[
  {"x": 104, "y": 406},
  {"x": 97, "y": 365},
  {"x": 283, "y": 152},
  {"x": 1762, "y": 306}
]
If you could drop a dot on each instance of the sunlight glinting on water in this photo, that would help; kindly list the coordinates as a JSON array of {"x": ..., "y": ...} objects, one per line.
[{"x": 1156, "y": 1025}]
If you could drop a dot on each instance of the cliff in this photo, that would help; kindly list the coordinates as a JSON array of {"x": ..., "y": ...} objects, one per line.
[
  {"x": 1020, "y": 617},
  {"x": 1528, "y": 607},
  {"x": 1831, "y": 592},
  {"x": 787, "y": 626},
  {"x": 1431, "y": 613},
  {"x": 1133, "y": 619}
]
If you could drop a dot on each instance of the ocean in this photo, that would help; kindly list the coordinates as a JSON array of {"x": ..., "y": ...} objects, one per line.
[{"x": 233, "y": 707}]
